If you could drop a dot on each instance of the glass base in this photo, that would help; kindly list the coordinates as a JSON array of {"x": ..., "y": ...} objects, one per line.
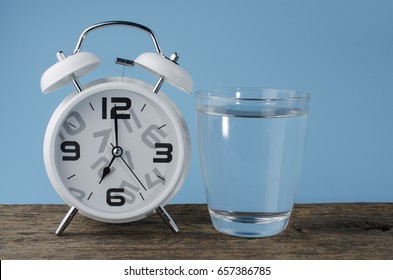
[{"x": 249, "y": 224}]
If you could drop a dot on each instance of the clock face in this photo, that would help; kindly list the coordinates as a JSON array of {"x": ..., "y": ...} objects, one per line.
[{"x": 116, "y": 151}]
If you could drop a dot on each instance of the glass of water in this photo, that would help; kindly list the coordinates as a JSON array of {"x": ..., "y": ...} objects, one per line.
[{"x": 251, "y": 143}]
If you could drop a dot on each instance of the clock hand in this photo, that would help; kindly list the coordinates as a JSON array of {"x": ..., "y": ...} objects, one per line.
[
  {"x": 117, "y": 151},
  {"x": 107, "y": 169},
  {"x": 116, "y": 128},
  {"x": 133, "y": 173}
]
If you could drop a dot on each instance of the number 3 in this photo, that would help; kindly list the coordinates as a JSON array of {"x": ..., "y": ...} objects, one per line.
[{"x": 167, "y": 152}]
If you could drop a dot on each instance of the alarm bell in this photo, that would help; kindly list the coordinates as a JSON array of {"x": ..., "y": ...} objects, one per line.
[
  {"x": 167, "y": 68},
  {"x": 70, "y": 68}
]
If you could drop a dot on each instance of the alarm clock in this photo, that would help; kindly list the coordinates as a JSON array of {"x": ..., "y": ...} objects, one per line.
[{"x": 117, "y": 149}]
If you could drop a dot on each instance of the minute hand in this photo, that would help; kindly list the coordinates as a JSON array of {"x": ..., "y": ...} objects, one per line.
[
  {"x": 116, "y": 128},
  {"x": 133, "y": 173}
]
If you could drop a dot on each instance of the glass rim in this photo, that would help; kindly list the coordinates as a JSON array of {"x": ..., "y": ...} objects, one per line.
[{"x": 291, "y": 94}]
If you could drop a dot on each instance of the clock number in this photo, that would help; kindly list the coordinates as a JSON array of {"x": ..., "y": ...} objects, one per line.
[
  {"x": 79, "y": 194},
  {"x": 151, "y": 135},
  {"x": 113, "y": 199},
  {"x": 104, "y": 102},
  {"x": 167, "y": 152},
  {"x": 135, "y": 119},
  {"x": 125, "y": 106},
  {"x": 158, "y": 178},
  {"x": 70, "y": 147},
  {"x": 129, "y": 190},
  {"x": 129, "y": 159},
  {"x": 105, "y": 137},
  {"x": 74, "y": 123}
]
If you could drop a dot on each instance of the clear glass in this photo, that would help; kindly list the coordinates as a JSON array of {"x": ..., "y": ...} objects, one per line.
[{"x": 251, "y": 143}]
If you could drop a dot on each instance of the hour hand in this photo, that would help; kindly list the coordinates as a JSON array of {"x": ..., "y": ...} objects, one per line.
[{"x": 107, "y": 169}]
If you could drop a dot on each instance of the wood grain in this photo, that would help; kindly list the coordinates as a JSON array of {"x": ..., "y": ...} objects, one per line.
[{"x": 315, "y": 231}]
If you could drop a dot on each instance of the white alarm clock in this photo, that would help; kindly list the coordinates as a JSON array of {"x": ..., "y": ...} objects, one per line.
[{"x": 117, "y": 149}]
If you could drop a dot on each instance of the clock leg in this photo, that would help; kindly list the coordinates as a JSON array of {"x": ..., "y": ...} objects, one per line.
[
  {"x": 167, "y": 219},
  {"x": 66, "y": 220}
]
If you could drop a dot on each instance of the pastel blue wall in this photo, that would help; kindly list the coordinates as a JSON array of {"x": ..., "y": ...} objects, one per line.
[{"x": 341, "y": 51}]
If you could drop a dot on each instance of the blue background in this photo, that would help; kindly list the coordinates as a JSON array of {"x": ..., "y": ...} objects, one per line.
[{"x": 339, "y": 51}]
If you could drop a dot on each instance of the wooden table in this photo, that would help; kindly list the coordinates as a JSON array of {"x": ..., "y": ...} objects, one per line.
[{"x": 315, "y": 231}]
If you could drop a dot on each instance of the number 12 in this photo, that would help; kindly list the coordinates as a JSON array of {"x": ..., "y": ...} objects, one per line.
[{"x": 114, "y": 111}]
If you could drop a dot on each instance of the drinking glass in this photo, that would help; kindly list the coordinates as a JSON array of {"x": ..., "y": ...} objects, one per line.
[{"x": 251, "y": 143}]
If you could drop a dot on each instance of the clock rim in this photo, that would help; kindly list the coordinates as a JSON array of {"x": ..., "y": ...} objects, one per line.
[{"x": 128, "y": 84}]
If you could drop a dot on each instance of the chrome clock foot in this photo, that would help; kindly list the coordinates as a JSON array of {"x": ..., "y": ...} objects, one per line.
[
  {"x": 66, "y": 220},
  {"x": 167, "y": 219}
]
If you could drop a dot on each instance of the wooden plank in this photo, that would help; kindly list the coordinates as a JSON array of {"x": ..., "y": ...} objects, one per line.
[{"x": 315, "y": 231}]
